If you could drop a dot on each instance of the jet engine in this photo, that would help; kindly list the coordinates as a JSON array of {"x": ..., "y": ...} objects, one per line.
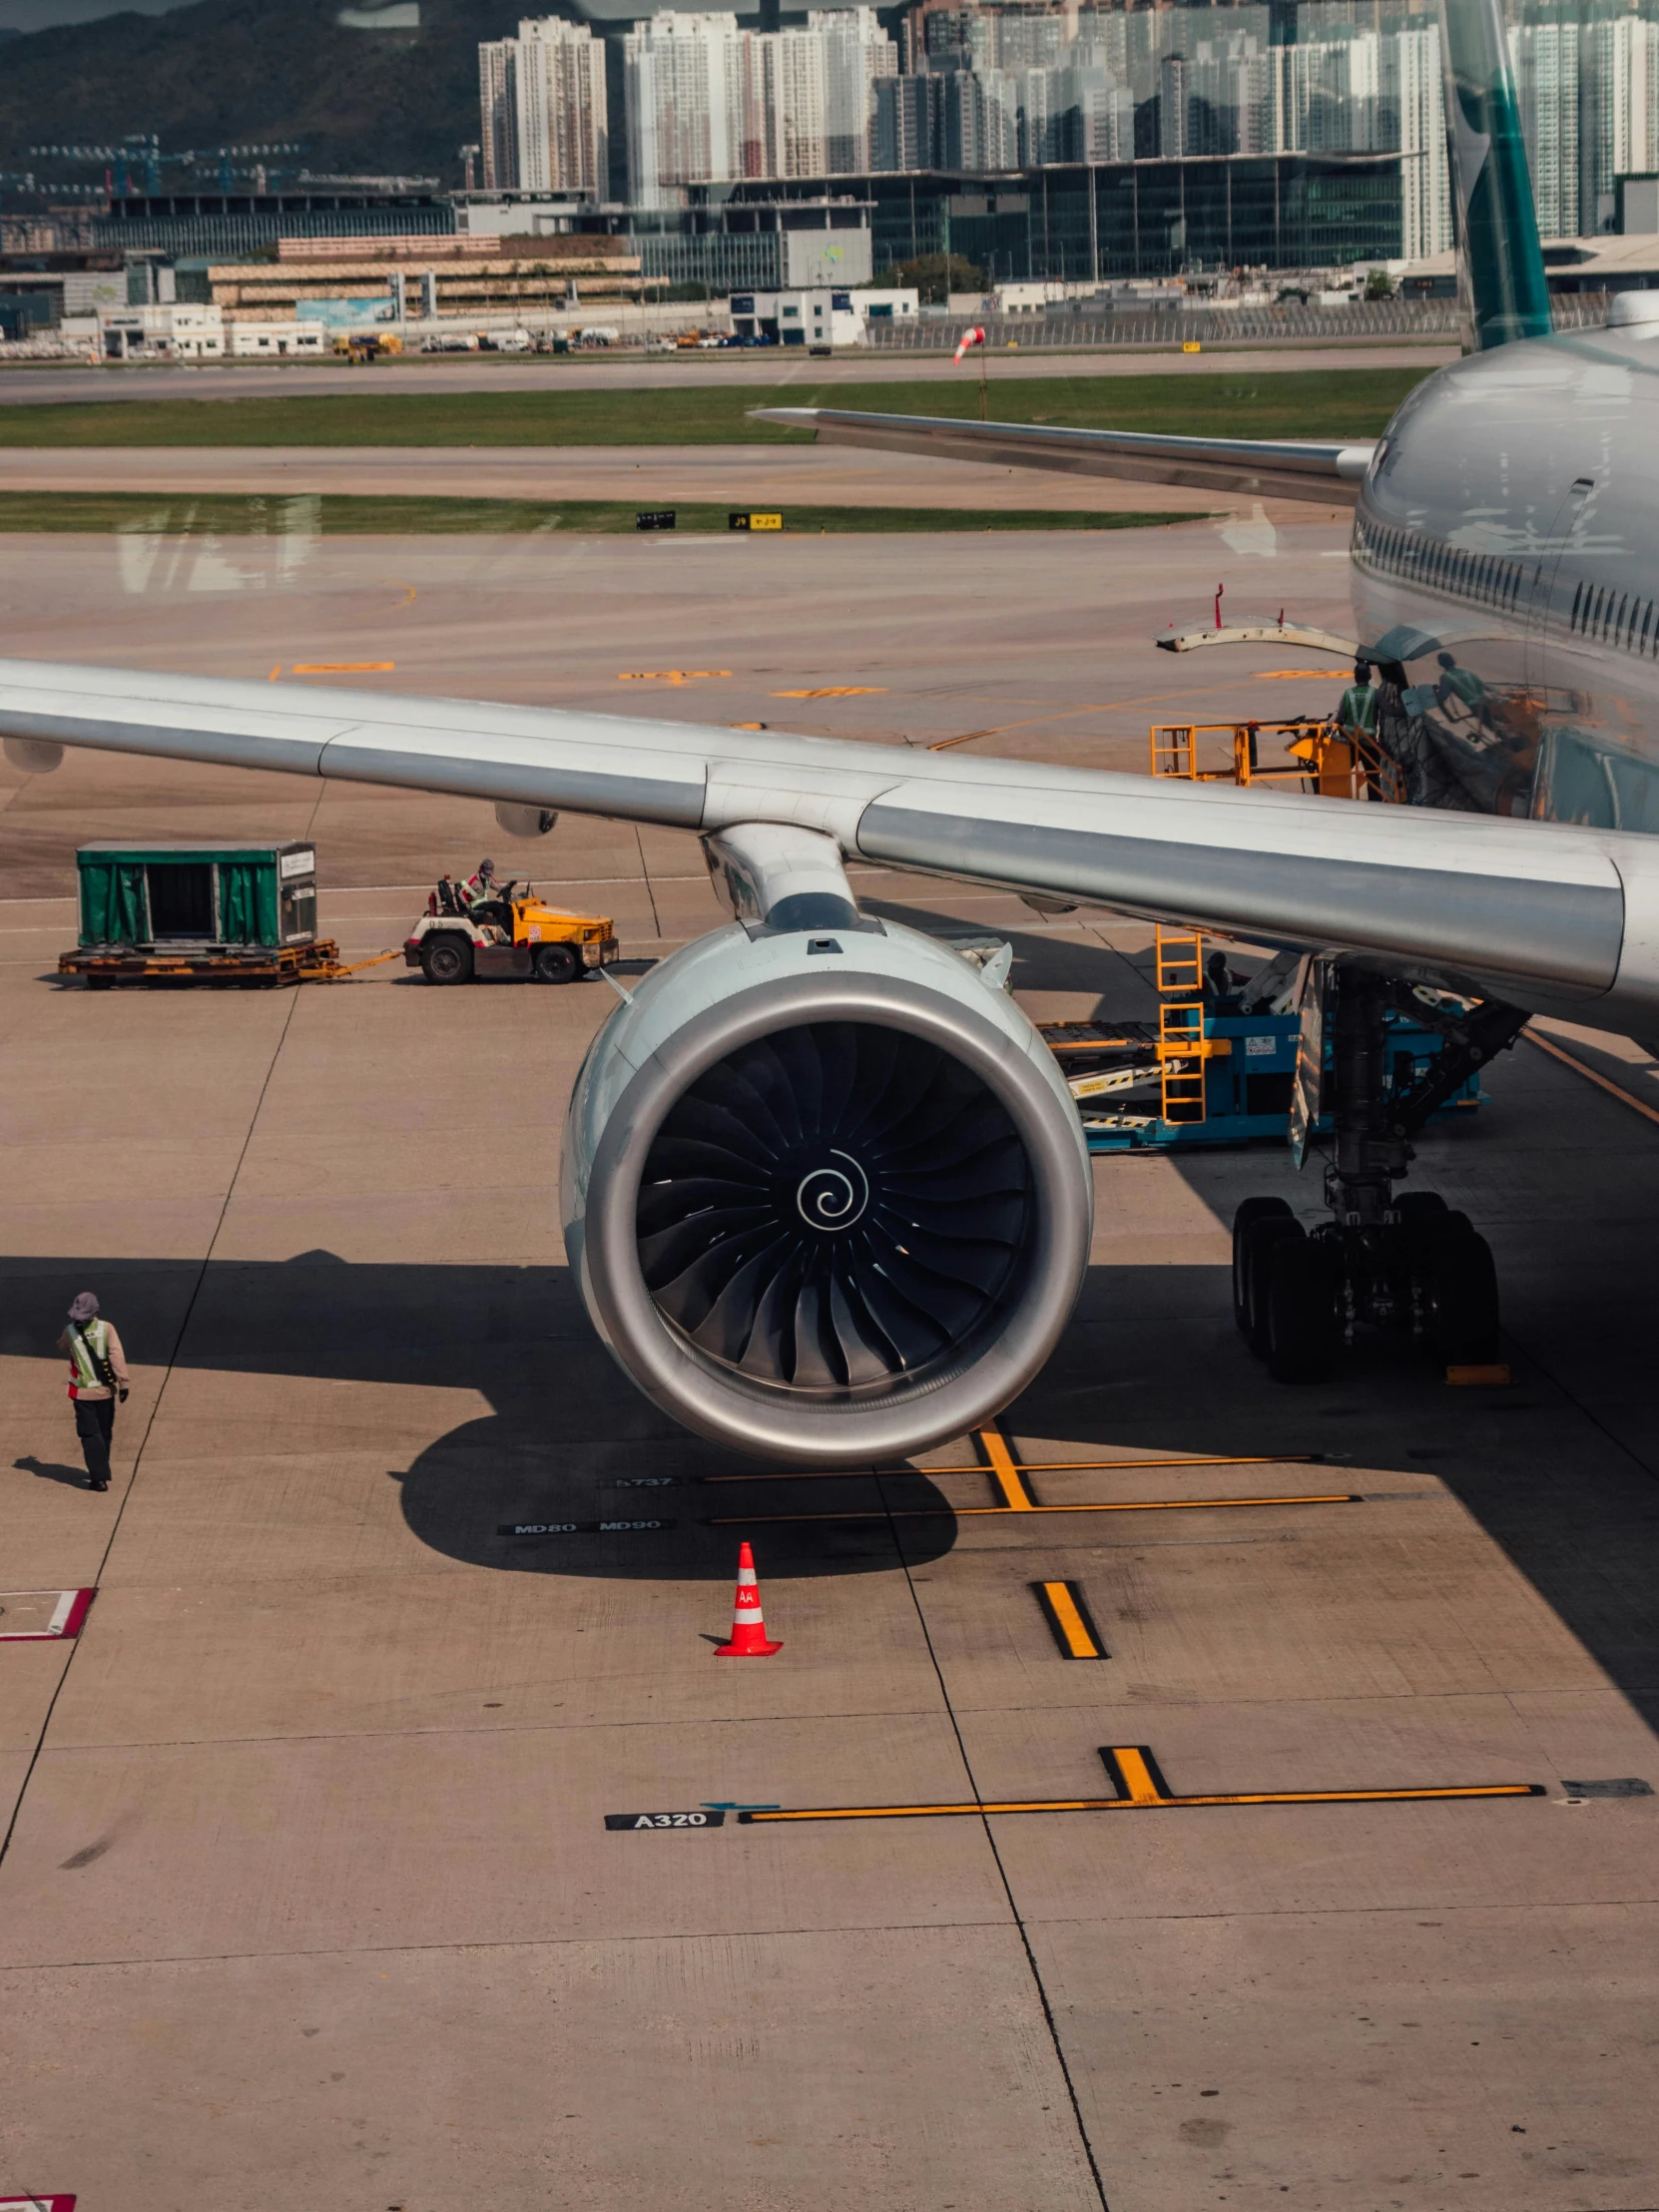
[{"x": 826, "y": 1196}]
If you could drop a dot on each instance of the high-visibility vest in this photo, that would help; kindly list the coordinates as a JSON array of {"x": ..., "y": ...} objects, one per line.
[
  {"x": 89, "y": 1342},
  {"x": 1358, "y": 709}
]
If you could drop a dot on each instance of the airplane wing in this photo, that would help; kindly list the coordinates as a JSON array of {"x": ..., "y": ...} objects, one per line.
[
  {"x": 1546, "y": 915},
  {"x": 1278, "y": 468}
]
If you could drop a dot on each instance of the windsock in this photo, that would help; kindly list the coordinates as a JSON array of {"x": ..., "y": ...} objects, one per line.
[{"x": 972, "y": 337}]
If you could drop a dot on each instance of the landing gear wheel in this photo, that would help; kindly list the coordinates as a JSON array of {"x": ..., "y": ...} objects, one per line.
[
  {"x": 1462, "y": 1304},
  {"x": 446, "y": 959},
  {"x": 1262, "y": 1239},
  {"x": 1303, "y": 1336},
  {"x": 1251, "y": 1210},
  {"x": 554, "y": 963}
]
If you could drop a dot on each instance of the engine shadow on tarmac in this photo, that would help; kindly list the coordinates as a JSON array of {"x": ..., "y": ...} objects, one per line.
[{"x": 1151, "y": 1364}]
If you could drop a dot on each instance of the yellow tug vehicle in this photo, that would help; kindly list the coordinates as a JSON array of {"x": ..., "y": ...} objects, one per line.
[{"x": 510, "y": 937}]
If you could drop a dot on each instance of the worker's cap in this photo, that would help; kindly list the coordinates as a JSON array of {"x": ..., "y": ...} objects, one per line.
[
  {"x": 486, "y": 868},
  {"x": 1362, "y": 672},
  {"x": 83, "y": 1306}
]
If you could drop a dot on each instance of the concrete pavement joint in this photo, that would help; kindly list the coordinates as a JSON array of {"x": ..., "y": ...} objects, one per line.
[{"x": 1043, "y": 1999}]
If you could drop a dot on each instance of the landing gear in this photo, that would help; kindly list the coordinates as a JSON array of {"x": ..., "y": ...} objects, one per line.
[{"x": 1407, "y": 1265}]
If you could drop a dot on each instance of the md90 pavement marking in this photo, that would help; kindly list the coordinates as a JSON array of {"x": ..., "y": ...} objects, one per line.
[{"x": 1138, "y": 1785}]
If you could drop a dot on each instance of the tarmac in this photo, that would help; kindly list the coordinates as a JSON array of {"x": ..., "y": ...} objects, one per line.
[
  {"x": 23, "y": 384},
  {"x": 308, "y": 1896}
]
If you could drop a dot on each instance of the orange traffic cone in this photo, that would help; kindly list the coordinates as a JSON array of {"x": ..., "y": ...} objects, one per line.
[{"x": 749, "y": 1628}]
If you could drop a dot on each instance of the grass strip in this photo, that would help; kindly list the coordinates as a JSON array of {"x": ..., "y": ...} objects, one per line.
[
  {"x": 1331, "y": 402},
  {"x": 224, "y": 514}
]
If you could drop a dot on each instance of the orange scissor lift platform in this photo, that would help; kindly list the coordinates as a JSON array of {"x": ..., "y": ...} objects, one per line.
[{"x": 1204, "y": 1076}]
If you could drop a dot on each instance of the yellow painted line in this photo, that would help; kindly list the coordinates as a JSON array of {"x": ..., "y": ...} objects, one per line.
[
  {"x": 1143, "y": 1790},
  {"x": 1033, "y": 1466},
  {"x": 969, "y": 1513},
  {"x": 343, "y": 667},
  {"x": 1072, "y": 1628},
  {"x": 1285, "y": 675},
  {"x": 836, "y": 691},
  {"x": 1015, "y": 1497},
  {"x": 1590, "y": 1075}
]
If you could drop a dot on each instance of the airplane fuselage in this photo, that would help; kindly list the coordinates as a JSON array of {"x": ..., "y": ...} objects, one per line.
[{"x": 1506, "y": 568}]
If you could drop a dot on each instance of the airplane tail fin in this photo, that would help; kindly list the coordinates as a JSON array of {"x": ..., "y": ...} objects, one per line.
[{"x": 1500, "y": 269}]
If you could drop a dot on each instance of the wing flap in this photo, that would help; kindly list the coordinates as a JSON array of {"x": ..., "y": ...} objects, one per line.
[{"x": 1547, "y": 912}]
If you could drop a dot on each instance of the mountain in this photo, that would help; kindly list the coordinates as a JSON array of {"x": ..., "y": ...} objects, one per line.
[{"x": 238, "y": 72}]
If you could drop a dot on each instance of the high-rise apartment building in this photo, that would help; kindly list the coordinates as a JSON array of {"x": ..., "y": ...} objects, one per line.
[
  {"x": 708, "y": 102},
  {"x": 857, "y": 54},
  {"x": 685, "y": 80},
  {"x": 498, "y": 112},
  {"x": 1618, "y": 110},
  {"x": 544, "y": 123},
  {"x": 1424, "y": 179},
  {"x": 1544, "y": 57}
]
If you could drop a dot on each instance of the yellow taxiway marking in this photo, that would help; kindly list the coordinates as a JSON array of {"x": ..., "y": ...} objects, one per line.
[
  {"x": 669, "y": 675},
  {"x": 1285, "y": 675},
  {"x": 342, "y": 668},
  {"x": 1035, "y": 1466},
  {"x": 1590, "y": 1075},
  {"x": 836, "y": 691},
  {"x": 1141, "y": 1789},
  {"x": 1015, "y": 1497},
  {"x": 969, "y": 1513},
  {"x": 1068, "y": 1617}
]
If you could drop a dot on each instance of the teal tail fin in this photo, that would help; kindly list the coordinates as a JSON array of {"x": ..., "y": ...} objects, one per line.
[{"x": 1500, "y": 267}]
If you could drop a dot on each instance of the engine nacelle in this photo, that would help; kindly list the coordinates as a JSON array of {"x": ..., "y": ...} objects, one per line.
[{"x": 824, "y": 1193}]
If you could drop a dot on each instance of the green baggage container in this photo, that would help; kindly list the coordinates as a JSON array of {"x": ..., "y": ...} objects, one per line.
[{"x": 216, "y": 897}]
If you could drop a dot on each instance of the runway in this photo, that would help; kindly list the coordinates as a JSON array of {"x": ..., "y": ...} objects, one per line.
[
  {"x": 28, "y": 384},
  {"x": 309, "y": 1892}
]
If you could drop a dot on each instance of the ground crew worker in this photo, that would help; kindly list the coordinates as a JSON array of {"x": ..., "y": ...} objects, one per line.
[
  {"x": 1356, "y": 709},
  {"x": 481, "y": 886},
  {"x": 1462, "y": 685},
  {"x": 96, "y": 1378}
]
